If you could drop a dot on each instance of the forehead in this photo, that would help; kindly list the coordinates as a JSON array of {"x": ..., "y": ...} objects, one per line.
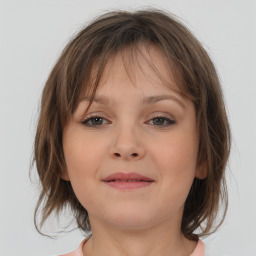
[{"x": 141, "y": 64}]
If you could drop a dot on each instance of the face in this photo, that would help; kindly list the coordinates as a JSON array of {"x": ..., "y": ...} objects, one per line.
[{"x": 134, "y": 131}]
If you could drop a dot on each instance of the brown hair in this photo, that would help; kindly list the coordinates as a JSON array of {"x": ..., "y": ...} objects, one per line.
[{"x": 87, "y": 54}]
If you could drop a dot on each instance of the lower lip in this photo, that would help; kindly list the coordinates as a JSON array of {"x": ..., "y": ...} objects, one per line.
[{"x": 128, "y": 185}]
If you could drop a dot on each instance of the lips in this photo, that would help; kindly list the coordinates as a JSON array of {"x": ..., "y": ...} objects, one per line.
[{"x": 128, "y": 177}]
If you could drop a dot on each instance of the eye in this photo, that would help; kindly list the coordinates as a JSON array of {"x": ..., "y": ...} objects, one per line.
[
  {"x": 93, "y": 121},
  {"x": 162, "y": 121}
]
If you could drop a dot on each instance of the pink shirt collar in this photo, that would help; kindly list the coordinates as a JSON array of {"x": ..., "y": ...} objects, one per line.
[{"x": 199, "y": 250}]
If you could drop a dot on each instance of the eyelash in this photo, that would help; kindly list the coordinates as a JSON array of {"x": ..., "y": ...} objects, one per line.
[{"x": 170, "y": 121}]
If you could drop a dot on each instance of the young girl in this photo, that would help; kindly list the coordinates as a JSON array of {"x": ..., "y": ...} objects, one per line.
[{"x": 133, "y": 137}]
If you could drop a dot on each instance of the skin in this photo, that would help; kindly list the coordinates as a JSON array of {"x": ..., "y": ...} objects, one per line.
[{"x": 129, "y": 138}]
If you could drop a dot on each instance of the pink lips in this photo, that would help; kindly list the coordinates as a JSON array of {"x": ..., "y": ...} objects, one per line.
[
  {"x": 124, "y": 181},
  {"x": 126, "y": 176}
]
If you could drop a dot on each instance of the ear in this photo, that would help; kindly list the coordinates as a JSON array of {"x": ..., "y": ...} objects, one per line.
[
  {"x": 201, "y": 170},
  {"x": 65, "y": 175}
]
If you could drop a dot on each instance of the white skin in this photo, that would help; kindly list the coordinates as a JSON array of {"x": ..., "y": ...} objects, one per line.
[{"x": 129, "y": 138}]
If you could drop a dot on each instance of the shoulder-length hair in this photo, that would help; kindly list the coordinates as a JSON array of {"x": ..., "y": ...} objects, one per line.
[{"x": 79, "y": 70}]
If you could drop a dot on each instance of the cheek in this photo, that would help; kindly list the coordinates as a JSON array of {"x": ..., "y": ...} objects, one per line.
[
  {"x": 178, "y": 153},
  {"x": 81, "y": 154},
  {"x": 82, "y": 161},
  {"x": 175, "y": 159}
]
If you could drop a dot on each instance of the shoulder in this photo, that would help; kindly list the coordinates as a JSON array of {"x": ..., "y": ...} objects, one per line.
[
  {"x": 79, "y": 250},
  {"x": 199, "y": 250}
]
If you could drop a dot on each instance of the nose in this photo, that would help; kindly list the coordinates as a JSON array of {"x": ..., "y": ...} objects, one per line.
[{"x": 127, "y": 145}]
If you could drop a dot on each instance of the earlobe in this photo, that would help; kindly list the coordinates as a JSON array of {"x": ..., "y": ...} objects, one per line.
[
  {"x": 201, "y": 171},
  {"x": 65, "y": 175}
]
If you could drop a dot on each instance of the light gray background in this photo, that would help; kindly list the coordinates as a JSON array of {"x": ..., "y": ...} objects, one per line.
[{"x": 33, "y": 33}]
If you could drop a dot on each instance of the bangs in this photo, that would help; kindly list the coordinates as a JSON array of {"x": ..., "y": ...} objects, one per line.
[{"x": 135, "y": 58}]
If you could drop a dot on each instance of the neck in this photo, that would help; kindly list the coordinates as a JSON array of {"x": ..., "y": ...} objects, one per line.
[{"x": 159, "y": 240}]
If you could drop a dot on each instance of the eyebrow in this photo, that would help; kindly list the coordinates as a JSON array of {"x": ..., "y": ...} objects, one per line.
[{"x": 103, "y": 100}]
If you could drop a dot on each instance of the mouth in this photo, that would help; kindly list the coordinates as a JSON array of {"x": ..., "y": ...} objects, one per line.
[
  {"x": 127, "y": 177},
  {"x": 127, "y": 181}
]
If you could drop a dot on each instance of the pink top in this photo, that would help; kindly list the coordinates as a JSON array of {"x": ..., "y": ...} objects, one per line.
[{"x": 199, "y": 250}]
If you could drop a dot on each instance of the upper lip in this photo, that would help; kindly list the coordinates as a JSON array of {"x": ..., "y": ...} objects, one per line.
[{"x": 126, "y": 176}]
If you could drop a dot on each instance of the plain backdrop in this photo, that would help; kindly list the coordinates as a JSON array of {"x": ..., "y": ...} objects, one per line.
[{"x": 32, "y": 35}]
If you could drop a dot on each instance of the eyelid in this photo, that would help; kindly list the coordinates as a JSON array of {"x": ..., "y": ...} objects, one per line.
[
  {"x": 152, "y": 115},
  {"x": 162, "y": 114}
]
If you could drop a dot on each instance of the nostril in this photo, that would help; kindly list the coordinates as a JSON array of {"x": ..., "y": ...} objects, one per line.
[{"x": 133, "y": 154}]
